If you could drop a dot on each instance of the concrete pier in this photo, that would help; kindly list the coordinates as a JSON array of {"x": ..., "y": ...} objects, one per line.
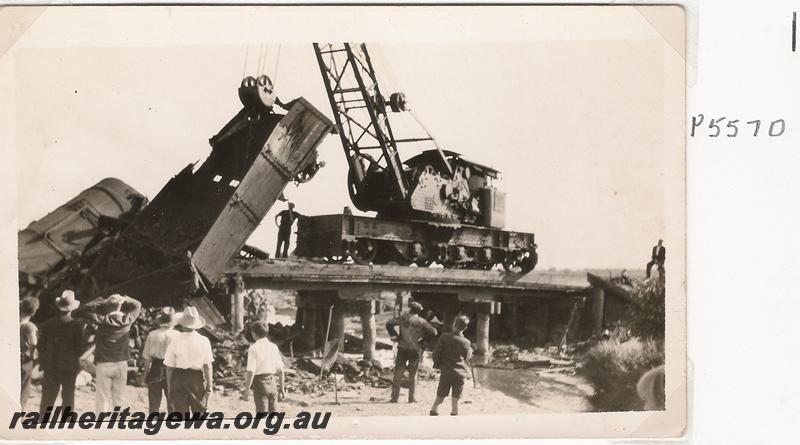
[
  {"x": 482, "y": 334},
  {"x": 237, "y": 292},
  {"x": 368, "y": 329}
]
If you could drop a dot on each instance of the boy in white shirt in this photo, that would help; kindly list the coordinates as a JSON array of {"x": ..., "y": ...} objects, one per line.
[{"x": 264, "y": 364}]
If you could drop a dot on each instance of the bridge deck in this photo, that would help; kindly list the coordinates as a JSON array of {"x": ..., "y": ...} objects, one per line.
[{"x": 306, "y": 275}]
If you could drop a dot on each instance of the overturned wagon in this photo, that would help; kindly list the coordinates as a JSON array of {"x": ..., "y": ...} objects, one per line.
[
  {"x": 174, "y": 249},
  {"x": 336, "y": 238},
  {"x": 202, "y": 217}
]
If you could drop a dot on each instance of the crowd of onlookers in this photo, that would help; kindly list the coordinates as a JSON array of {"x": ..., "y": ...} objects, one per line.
[{"x": 178, "y": 359}]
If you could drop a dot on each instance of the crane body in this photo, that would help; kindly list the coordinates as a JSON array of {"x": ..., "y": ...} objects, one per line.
[{"x": 435, "y": 206}]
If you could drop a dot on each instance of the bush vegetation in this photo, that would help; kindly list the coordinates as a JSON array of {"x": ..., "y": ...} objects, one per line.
[
  {"x": 647, "y": 311},
  {"x": 615, "y": 365},
  {"x": 614, "y": 368}
]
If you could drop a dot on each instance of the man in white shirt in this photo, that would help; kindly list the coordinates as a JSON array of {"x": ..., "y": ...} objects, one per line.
[
  {"x": 188, "y": 360},
  {"x": 264, "y": 363},
  {"x": 155, "y": 348}
]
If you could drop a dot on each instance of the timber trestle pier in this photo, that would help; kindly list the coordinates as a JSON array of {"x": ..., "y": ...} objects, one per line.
[{"x": 542, "y": 306}]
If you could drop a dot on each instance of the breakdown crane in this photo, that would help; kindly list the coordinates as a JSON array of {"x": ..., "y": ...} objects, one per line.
[{"x": 433, "y": 207}]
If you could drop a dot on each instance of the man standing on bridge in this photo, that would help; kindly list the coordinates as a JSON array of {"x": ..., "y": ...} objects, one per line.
[
  {"x": 287, "y": 218},
  {"x": 413, "y": 330},
  {"x": 657, "y": 257}
]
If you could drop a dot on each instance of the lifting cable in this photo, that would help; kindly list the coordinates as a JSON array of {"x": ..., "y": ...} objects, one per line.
[
  {"x": 263, "y": 50},
  {"x": 393, "y": 83},
  {"x": 264, "y": 62},
  {"x": 244, "y": 69},
  {"x": 388, "y": 83},
  {"x": 262, "y": 57},
  {"x": 261, "y": 62},
  {"x": 277, "y": 62}
]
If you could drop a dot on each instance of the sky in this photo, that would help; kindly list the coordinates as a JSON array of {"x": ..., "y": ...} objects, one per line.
[{"x": 572, "y": 114}]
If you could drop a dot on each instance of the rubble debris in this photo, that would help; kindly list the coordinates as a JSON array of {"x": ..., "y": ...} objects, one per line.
[
  {"x": 354, "y": 345},
  {"x": 302, "y": 374},
  {"x": 512, "y": 357}
]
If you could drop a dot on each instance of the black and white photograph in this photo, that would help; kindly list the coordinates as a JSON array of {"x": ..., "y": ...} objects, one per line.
[{"x": 361, "y": 218}]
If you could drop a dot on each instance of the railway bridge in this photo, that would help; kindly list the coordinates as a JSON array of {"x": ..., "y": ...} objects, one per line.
[{"x": 543, "y": 306}]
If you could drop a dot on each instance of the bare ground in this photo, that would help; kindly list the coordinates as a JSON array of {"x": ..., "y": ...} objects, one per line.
[{"x": 498, "y": 392}]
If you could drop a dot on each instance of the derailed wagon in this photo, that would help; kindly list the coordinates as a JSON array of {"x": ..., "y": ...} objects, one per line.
[{"x": 175, "y": 248}]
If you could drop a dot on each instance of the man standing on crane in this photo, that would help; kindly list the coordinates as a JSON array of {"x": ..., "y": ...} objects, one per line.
[{"x": 287, "y": 218}]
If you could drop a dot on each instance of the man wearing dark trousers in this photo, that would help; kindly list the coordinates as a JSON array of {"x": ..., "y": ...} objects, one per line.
[
  {"x": 287, "y": 218},
  {"x": 413, "y": 330},
  {"x": 155, "y": 348},
  {"x": 62, "y": 339},
  {"x": 657, "y": 257},
  {"x": 264, "y": 371},
  {"x": 188, "y": 360}
]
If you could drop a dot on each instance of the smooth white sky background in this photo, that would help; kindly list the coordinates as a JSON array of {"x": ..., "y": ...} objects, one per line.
[{"x": 576, "y": 125}]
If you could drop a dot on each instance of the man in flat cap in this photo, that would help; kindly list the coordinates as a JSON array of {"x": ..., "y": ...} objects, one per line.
[{"x": 413, "y": 330}]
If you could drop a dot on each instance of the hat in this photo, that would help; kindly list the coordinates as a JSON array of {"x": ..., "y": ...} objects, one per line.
[
  {"x": 415, "y": 307},
  {"x": 460, "y": 323},
  {"x": 67, "y": 302},
  {"x": 166, "y": 317},
  {"x": 191, "y": 319}
]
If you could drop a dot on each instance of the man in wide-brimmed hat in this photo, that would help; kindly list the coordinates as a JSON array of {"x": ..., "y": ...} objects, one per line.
[
  {"x": 114, "y": 316},
  {"x": 188, "y": 360},
  {"x": 62, "y": 340},
  {"x": 155, "y": 347}
]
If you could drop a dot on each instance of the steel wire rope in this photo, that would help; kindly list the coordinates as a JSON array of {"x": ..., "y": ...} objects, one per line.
[
  {"x": 277, "y": 63},
  {"x": 244, "y": 68},
  {"x": 385, "y": 66}
]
